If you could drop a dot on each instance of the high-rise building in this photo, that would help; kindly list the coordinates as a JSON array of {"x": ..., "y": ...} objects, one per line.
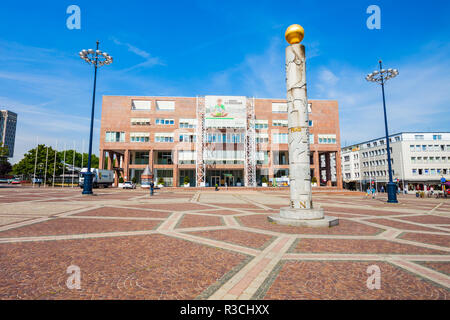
[
  {"x": 237, "y": 141},
  {"x": 8, "y": 121},
  {"x": 417, "y": 159}
]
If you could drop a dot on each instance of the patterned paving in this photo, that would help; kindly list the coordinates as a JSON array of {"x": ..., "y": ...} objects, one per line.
[{"x": 183, "y": 244}]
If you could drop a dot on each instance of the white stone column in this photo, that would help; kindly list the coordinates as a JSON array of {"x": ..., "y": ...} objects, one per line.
[
  {"x": 298, "y": 126},
  {"x": 301, "y": 211}
]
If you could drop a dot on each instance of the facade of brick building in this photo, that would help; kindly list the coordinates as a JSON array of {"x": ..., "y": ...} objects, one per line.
[{"x": 176, "y": 137}]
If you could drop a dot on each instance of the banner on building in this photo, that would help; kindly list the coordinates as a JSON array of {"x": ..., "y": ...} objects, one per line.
[{"x": 225, "y": 112}]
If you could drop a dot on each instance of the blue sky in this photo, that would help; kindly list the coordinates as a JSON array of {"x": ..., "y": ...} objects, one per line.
[{"x": 189, "y": 48}]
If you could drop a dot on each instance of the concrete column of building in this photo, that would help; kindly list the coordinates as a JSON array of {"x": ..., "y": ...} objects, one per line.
[
  {"x": 150, "y": 160},
  {"x": 175, "y": 168},
  {"x": 110, "y": 159},
  {"x": 328, "y": 167},
  {"x": 316, "y": 166},
  {"x": 301, "y": 211},
  {"x": 271, "y": 169},
  {"x": 338, "y": 170},
  {"x": 101, "y": 161},
  {"x": 126, "y": 160}
]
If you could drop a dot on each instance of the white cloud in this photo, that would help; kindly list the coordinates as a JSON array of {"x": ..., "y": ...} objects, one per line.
[
  {"x": 149, "y": 59},
  {"x": 417, "y": 100}
]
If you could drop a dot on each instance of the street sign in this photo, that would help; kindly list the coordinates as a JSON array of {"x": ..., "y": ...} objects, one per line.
[{"x": 443, "y": 180}]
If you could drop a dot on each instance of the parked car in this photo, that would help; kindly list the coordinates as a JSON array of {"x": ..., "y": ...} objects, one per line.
[
  {"x": 128, "y": 185},
  {"x": 16, "y": 181}
]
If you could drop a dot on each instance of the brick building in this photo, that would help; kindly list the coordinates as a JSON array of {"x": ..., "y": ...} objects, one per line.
[{"x": 221, "y": 140}]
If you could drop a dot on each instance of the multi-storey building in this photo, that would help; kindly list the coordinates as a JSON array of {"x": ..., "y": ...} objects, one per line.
[
  {"x": 237, "y": 141},
  {"x": 417, "y": 158},
  {"x": 8, "y": 121}
]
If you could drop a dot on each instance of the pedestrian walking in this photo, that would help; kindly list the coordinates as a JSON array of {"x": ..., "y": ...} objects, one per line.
[
  {"x": 373, "y": 192},
  {"x": 382, "y": 189},
  {"x": 152, "y": 188}
]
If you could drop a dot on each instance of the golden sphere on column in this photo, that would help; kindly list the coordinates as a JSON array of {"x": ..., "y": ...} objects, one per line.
[{"x": 294, "y": 34}]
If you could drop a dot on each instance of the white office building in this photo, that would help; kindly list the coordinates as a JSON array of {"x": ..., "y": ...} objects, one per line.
[
  {"x": 8, "y": 121},
  {"x": 418, "y": 159}
]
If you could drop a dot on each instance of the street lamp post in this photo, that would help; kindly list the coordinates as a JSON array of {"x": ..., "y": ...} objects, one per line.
[
  {"x": 381, "y": 77},
  {"x": 97, "y": 58}
]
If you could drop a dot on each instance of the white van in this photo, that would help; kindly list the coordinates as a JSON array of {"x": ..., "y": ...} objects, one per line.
[{"x": 101, "y": 178}]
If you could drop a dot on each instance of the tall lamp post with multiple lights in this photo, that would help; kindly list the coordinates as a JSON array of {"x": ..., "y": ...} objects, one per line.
[
  {"x": 381, "y": 77},
  {"x": 97, "y": 58}
]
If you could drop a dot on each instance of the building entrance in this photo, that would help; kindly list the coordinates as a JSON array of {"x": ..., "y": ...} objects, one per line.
[
  {"x": 229, "y": 177},
  {"x": 215, "y": 180}
]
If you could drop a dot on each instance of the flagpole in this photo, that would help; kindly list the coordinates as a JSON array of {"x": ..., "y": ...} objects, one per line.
[
  {"x": 54, "y": 164},
  {"x": 45, "y": 173},
  {"x": 64, "y": 165},
  {"x": 73, "y": 162},
  {"x": 35, "y": 161}
]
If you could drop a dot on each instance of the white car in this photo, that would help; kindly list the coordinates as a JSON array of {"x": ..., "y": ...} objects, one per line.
[{"x": 128, "y": 185}]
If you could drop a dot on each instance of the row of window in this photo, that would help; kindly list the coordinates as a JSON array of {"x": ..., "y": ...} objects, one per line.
[
  {"x": 191, "y": 123},
  {"x": 164, "y": 105},
  {"x": 348, "y": 175},
  {"x": 112, "y": 136},
  {"x": 373, "y": 153},
  {"x": 432, "y": 172},
  {"x": 429, "y": 159},
  {"x": 377, "y": 173},
  {"x": 145, "y": 105},
  {"x": 166, "y": 122},
  {"x": 429, "y": 148},
  {"x": 375, "y": 163},
  {"x": 225, "y": 137},
  {"x": 422, "y": 137},
  {"x": 327, "y": 139},
  {"x": 382, "y": 142}
]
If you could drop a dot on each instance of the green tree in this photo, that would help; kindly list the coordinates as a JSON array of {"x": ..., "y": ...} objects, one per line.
[
  {"x": 26, "y": 165},
  {"x": 78, "y": 158},
  {"x": 4, "y": 152},
  {"x": 5, "y": 166}
]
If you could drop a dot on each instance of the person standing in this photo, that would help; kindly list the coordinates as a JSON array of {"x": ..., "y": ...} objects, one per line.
[
  {"x": 152, "y": 188},
  {"x": 373, "y": 192}
]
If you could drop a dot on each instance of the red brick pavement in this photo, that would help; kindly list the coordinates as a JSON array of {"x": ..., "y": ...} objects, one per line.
[
  {"x": 239, "y": 237},
  {"x": 139, "y": 267},
  {"x": 443, "y": 267},
  {"x": 359, "y": 246},
  {"x": 173, "y": 206},
  {"x": 436, "y": 239},
  {"x": 427, "y": 219},
  {"x": 345, "y": 227},
  {"x": 401, "y": 225},
  {"x": 123, "y": 212},
  {"x": 347, "y": 280},
  {"x": 193, "y": 220},
  {"x": 62, "y": 226}
]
